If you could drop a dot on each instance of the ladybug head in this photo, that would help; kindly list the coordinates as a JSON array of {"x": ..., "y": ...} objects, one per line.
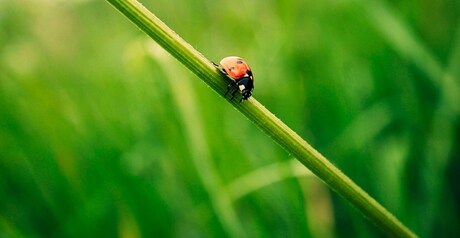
[
  {"x": 246, "y": 94},
  {"x": 246, "y": 86}
]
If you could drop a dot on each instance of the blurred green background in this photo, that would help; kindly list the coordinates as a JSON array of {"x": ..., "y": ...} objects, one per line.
[{"x": 103, "y": 134}]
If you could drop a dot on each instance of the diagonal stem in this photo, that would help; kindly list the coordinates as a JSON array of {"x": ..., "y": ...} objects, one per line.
[{"x": 263, "y": 118}]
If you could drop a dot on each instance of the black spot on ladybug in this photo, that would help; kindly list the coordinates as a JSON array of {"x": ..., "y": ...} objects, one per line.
[
  {"x": 239, "y": 62},
  {"x": 232, "y": 68}
]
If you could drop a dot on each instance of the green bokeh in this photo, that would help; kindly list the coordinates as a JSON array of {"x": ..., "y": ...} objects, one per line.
[{"x": 102, "y": 134}]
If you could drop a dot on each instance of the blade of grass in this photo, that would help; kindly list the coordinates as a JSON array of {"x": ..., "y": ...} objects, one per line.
[
  {"x": 408, "y": 45},
  {"x": 263, "y": 118},
  {"x": 272, "y": 173}
]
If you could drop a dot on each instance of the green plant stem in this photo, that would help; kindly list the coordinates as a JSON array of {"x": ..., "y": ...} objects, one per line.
[{"x": 263, "y": 118}]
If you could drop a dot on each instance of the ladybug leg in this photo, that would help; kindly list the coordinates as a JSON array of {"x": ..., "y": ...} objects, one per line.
[
  {"x": 228, "y": 89},
  {"x": 234, "y": 93},
  {"x": 220, "y": 68}
]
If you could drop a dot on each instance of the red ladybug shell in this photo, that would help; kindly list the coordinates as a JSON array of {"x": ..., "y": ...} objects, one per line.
[{"x": 236, "y": 67}]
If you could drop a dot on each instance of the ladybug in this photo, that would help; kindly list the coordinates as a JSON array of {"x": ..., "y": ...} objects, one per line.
[{"x": 237, "y": 68}]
